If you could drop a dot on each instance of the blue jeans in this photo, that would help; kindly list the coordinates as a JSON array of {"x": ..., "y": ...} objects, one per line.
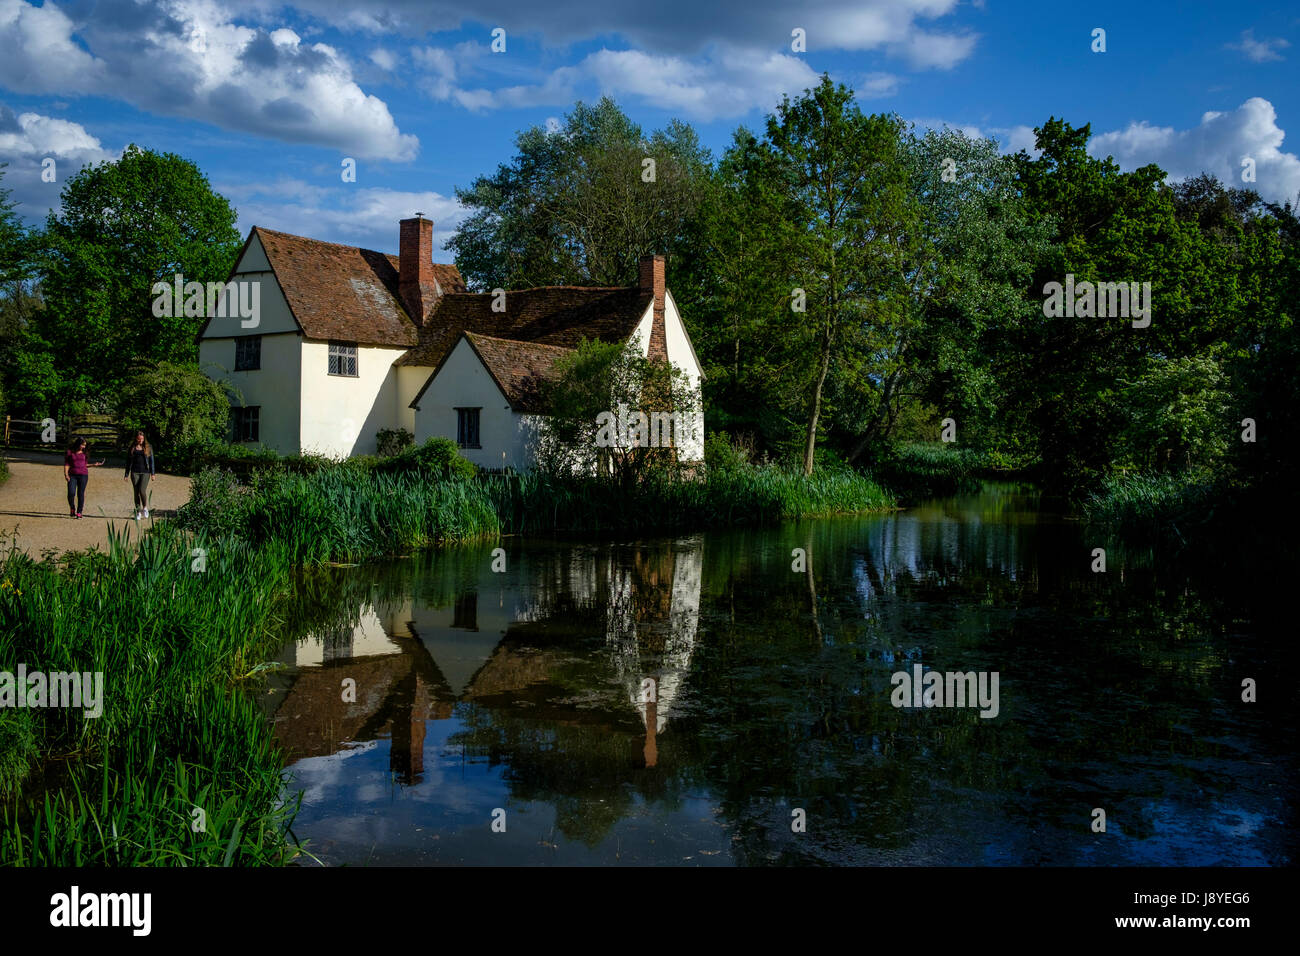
[{"x": 77, "y": 492}]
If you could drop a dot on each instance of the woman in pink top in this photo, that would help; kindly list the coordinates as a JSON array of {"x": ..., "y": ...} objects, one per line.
[{"x": 76, "y": 472}]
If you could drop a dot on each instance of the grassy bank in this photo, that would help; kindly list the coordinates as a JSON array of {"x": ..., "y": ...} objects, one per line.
[
  {"x": 919, "y": 470},
  {"x": 1156, "y": 508},
  {"x": 751, "y": 495},
  {"x": 349, "y": 513},
  {"x": 173, "y": 637}
]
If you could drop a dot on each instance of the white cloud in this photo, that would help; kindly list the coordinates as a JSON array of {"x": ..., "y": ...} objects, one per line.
[
  {"x": 728, "y": 82},
  {"x": 365, "y": 217},
  {"x": 926, "y": 51},
  {"x": 684, "y": 61},
  {"x": 1259, "y": 51},
  {"x": 672, "y": 26},
  {"x": 384, "y": 59},
  {"x": 188, "y": 58},
  {"x": 732, "y": 83},
  {"x": 1016, "y": 138},
  {"x": 1217, "y": 145},
  {"x": 876, "y": 85},
  {"x": 26, "y": 141},
  {"x": 37, "y": 53}
]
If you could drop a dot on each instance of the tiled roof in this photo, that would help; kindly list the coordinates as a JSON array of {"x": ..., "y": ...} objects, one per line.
[
  {"x": 342, "y": 292},
  {"x": 552, "y": 315},
  {"x": 519, "y": 368}
]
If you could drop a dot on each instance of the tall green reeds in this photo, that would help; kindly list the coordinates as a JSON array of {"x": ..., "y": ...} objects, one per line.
[
  {"x": 173, "y": 630},
  {"x": 351, "y": 514}
]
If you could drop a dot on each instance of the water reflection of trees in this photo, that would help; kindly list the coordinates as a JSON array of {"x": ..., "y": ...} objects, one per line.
[{"x": 774, "y": 684}]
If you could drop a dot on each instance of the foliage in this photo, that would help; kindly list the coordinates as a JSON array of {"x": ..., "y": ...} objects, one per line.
[
  {"x": 123, "y": 226},
  {"x": 218, "y": 505},
  {"x": 438, "y": 458},
  {"x": 392, "y": 441},
  {"x": 173, "y": 404},
  {"x": 597, "y": 390},
  {"x": 573, "y": 206},
  {"x": 175, "y": 731},
  {"x": 538, "y": 502},
  {"x": 916, "y": 470}
]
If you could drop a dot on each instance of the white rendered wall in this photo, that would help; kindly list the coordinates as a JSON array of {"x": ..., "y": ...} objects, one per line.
[{"x": 463, "y": 382}]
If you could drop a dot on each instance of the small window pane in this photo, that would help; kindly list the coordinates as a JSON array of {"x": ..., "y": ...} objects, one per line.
[
  {"x": 343, "y": 358},
  {"x": 248, "y": 353},
  {"x": 467, "y": 427},
  {"x": 247, "y": 422}
]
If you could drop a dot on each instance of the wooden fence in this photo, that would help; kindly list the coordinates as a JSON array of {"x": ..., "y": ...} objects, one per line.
[{"x": 51, "y": 435}]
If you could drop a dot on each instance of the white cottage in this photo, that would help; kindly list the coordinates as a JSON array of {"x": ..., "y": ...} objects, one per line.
[{"x": 349, "y": 341}]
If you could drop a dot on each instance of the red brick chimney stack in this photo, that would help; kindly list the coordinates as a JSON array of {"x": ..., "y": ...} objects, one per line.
[
  {"x": 415, "y": 283},
  {"x": 652, "y": 281}
]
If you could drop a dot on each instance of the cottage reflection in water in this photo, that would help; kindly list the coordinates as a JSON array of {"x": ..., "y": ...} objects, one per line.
[{"x": 498, "y": 641}]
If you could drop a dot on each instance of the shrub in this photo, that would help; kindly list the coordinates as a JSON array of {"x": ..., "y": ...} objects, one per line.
[
  {"x": 217, "y": 504},
  {"x": 173, "y": 404},
  {"x": 393, "y": 441},
  {"x": 722, "y": 456},
  {"x": 437, "y": 458}
]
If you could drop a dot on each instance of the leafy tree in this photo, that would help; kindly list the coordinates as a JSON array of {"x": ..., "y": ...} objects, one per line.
[
  {"x": 961, "y": 297},
  {"x": 176, "y": 405},
  {"x": 843, "y": 188},
  {"x": 594, "y": 401},
  {"x": 124, "y": 226},
  {"x": 574, "y": 207},
  {"x": 735, "y": 296}
]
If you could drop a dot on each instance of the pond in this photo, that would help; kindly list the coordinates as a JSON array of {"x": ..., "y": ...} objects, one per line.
[{"x": 729, "y": 698}]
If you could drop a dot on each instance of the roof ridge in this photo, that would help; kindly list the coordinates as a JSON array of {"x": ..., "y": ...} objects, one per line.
[
  {"x": 339, "y": 245},
  {"x": 529, "y": 342},
  {"x": 567, "y": 288}
]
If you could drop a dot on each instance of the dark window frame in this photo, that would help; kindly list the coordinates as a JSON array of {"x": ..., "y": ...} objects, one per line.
[
  {"x": 247, "y": 423},
  {"x": 469, "y": 427},
  {"x": 340, "y": 353},
  {"x": 242, "y": 360}
]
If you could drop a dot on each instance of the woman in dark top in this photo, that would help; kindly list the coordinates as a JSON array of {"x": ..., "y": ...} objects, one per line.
[
  {"x": 139, "y": 468},
  {"x": 76, "y": 472}
]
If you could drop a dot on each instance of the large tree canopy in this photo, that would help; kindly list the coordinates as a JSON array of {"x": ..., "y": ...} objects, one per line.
[
  {"x": 580, "y": 204},
  {"x": 125, "y": 225}
]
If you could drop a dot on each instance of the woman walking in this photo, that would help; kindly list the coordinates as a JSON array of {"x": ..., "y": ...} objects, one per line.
[
  {"x": 139, "y": 468},
  {"x": 76, "y": 472}
]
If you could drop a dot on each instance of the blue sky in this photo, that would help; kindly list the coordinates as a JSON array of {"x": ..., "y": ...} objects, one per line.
[{"x": 268, "y": 98}]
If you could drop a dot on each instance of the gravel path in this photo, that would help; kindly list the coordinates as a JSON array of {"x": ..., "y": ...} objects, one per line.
[{"x": 34, "y": 502}]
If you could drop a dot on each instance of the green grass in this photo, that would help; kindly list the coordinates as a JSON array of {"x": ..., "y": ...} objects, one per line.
[
  {"x": 174, "y": 645},
  {"x": 4, "y": 470},
  {"x": 749, "y": 495},
  {"x": 1152, "y": 507},
  {"x": 920, "y": 470},
  {"x": 351, "y": 514},
  {"x": 341, "y": 513}
]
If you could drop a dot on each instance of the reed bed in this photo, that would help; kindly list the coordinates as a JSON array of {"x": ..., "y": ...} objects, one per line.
[
  {"x": 921, "y": 470},
  {"x": 348, "y": 514},
  {"x": 1149, "y": 507},
  {"x": 174, "y": 635},
  {"x": 534, "y": 503}
]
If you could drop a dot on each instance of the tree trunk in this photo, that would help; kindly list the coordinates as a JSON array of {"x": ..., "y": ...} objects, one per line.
[{"x": 816, "y": 408}]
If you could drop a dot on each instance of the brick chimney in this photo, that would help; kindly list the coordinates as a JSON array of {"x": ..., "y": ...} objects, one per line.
[
  {"x": 415, "y": 282},
  {"x": 652, "y": 281}
]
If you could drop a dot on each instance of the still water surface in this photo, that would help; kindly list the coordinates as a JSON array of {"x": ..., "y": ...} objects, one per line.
[{"x": 525, "y": 691}]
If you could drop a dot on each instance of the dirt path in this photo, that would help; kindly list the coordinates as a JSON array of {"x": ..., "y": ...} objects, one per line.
[{"x": 34, "y": 501}]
